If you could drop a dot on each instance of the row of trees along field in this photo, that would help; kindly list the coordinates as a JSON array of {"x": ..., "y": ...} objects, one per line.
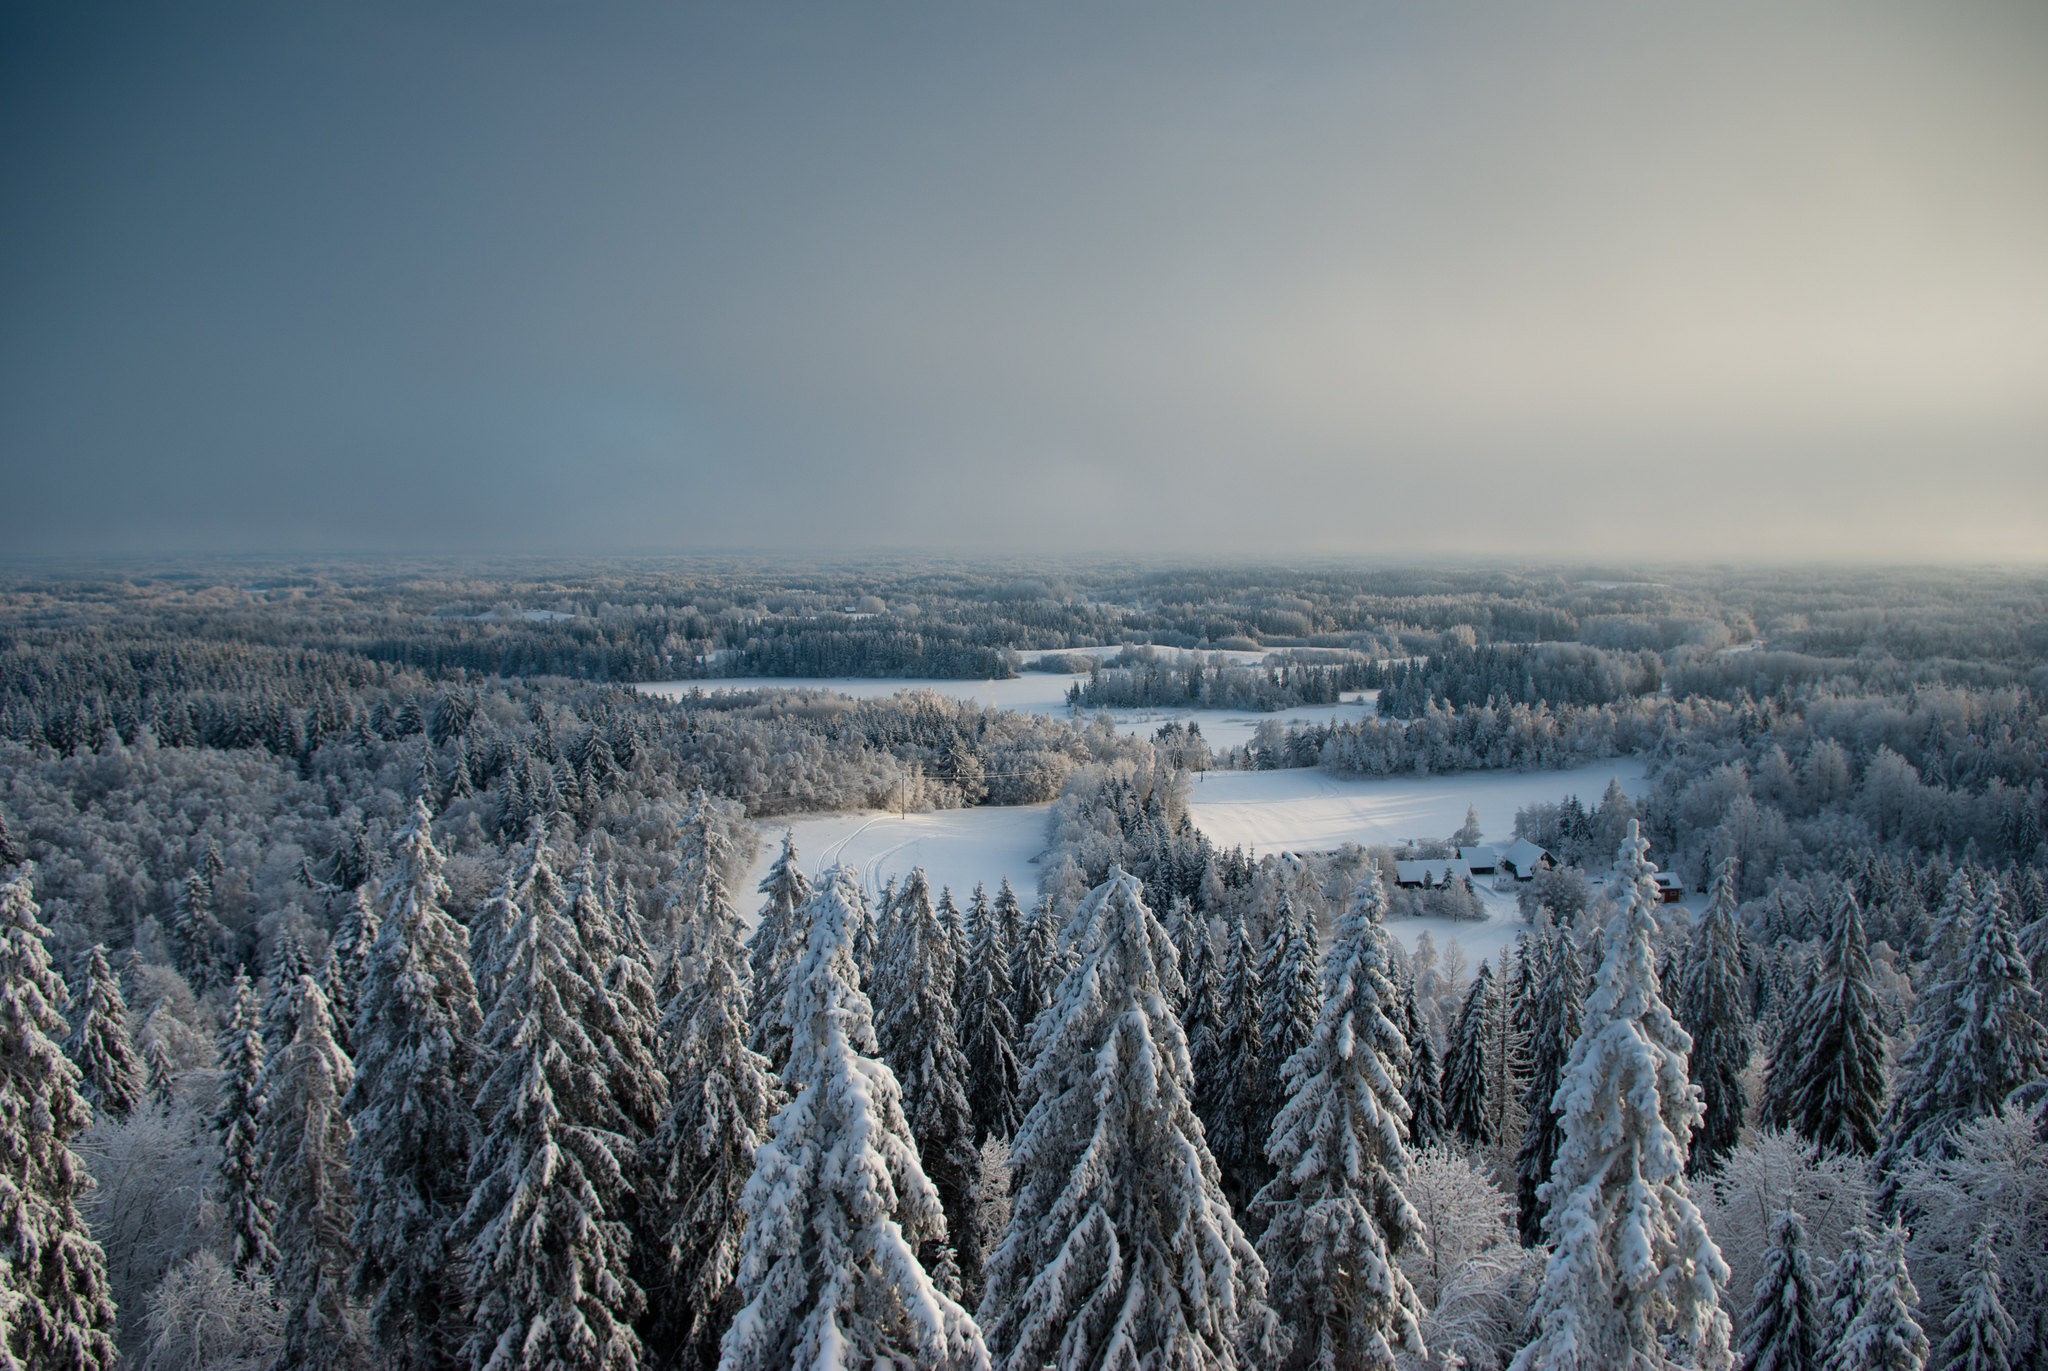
[{"x": 942, "y": 1132}]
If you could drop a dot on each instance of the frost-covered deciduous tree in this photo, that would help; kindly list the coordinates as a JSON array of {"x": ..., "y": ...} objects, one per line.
[
  {"x": 304, "y": 1140},
  {"x": 55, "y": 1311},
  {"x": 1989, "y": 1185},
  {"x": 1463, "y": 1214},
  {"x": 1827, "y": 1074},
  {"x": 248, "y": 1214},
  {"x": 1466, "y": 1079},
  {"x": 838, "y": 1204},
  {"x": 99, "y": 1041},
  {"x": 1121, "y": 1250},
  {"x": 699, "y": 1160},
  {"x": 548, "y": 1252},
  {"x": 1714, "y": 1008},
  {"x": 1781, "y": 1329},
  {"x": 1769, "y": 1172},
  {"x": 411, "y": 1106},
  {"x": 1555, "y": 1019},
  {"x": 1335, "y": 1216},
  {"x": 776, "y": 946},
  {"x": 207, "y": 1316},
  {"x": 917, "y": 1027},
  {"x": 1632, "y": 1271}
]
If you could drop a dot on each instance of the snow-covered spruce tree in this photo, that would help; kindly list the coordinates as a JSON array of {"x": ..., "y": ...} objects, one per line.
[
  {"x": 776, "y": 946},
  {"x": 1781, "y": 1330},
  {"x": 99, "y": 1041},
  {"x": 838, "y": 1205},
  {"x": 55, "y": 1311},
  {"x": 1919, "y": 1117},
  {"x": 248, "y": 1214},
  {"x": 917, "y": 1028},
  {"x": 348, "y": 958},
  {"x": 1852, "y": 1272},
  {"x": 1980, "y": 1331},
  {"x": 1335, "y": 1216},
  {"x": 1883, "y": 1335},
  {"x": 1227, "y": 1096},
  {"x": 547, "y": 1248},
  {"x": 411, "y": 1107},
  {"x": 1121, "y": 1250},
  {"x": 1036, "y": 969},
  {"x": 619, "y": 1009},
  {"x": 198, "y": 941},
  {"x": 288, "y": 963},
  {"x": 1993, "y": 1041},
  {"x": 159, "y": 1072},
  {"x": 721, "y": 1097},
  {"x": 1556, "y": 1019},
  {"x": 1632, "y": 1273},
  {"x": 1827, "y": 1075},
  {"x": 1465, "y": 1074},
  {"x": 988, "y": 1035},
  {"x": 303, "y": 1138},
  {"x": 1422, "y": 1086},
  {"x": 354, "y": 936},
  {"x": 1293, "y": 1001},
  {"x": 1714, "y": 1007}
]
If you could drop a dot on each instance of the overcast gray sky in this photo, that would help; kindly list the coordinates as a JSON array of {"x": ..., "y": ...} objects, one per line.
[{"x": 1629, "y": 280}]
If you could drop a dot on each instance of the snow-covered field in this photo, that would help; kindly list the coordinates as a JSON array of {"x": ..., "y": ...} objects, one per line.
[
  {"x": 1311, "y": 810},
  {"x": 1036, "y": 692},
  {"x": 1267, "y": 811},
  {"x": 956, "y": 847}
]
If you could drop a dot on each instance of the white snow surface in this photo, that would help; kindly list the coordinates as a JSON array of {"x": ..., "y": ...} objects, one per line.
[
  {"x": 1305, "y": 810},
  {"x": 956, "y": 847},
  {"x": 1039, "y": 692}
]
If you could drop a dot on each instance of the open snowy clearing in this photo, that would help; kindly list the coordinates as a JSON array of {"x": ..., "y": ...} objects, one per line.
[
  {"x": 1308, "y": 809},
  {"x": 1266, "y": 811},
  {"x": 956, "y": 847},
  {"x": 1038, "y": 692}
]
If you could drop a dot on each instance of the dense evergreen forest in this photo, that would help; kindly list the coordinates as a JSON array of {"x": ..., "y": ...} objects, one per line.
[{"x": 380, "y": 988}]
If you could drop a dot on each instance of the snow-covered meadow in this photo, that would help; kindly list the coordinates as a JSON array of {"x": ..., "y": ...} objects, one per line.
[
  {"x": 1266, "y": 811},
  {"x": 1040, "y": 692}
]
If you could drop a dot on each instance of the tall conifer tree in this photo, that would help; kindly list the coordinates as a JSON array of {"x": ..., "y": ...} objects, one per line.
[
  {"x": 838, "y": 1204},
  {"x": 55, "y": 1310},
  {"x": 1633, "y": 1272},
  {"x": 1335, "y": 1216},
  {"x": 1121, "y": 1250},
  {"x": 416, "y": 1074},
  {"x": 1715, "y": 1011},
  {"x": 99, "y": 1041},
  {"x": 1827, "y": 1074}
]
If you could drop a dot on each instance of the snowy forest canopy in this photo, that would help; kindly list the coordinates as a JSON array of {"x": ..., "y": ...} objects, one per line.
[{"x": 341, "y": 903}]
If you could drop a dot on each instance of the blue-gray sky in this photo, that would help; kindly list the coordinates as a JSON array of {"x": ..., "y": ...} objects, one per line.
[{"x": 1639, "y": 280}]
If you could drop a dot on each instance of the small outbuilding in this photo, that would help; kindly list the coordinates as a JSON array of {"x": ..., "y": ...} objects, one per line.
[
  {"x": 1669, "y": 888},
  {"x": 1523, "y": 859},
  {"x": 1482, "y": 859},
  {"x": 1431, "y": 872}
]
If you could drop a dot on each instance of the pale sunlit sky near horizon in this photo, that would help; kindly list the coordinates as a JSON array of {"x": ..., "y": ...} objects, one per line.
[{"x": 1635, "y": 281}]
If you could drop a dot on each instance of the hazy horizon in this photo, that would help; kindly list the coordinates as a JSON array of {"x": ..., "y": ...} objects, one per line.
[{"x": 1602, "y": 283}]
